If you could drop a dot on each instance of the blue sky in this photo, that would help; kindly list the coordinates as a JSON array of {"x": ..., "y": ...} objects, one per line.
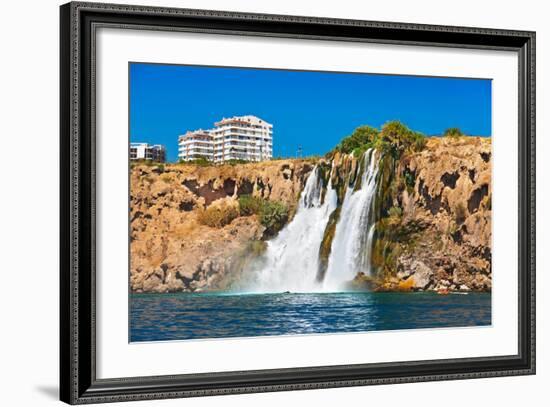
[{"x": 314, "y": 110}]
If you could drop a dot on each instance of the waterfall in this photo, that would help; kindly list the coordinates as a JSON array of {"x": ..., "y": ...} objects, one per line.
[
  {"x": 291, "y": 259},
  {"x": 352, "y": 243}
]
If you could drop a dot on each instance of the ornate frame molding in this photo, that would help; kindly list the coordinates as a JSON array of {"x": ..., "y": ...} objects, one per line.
[{"x": 79, "y": 384}]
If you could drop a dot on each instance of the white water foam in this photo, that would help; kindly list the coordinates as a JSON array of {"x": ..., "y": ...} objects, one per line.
[
  {"x": 291, "y": 260},
  {"x": 352, "y": 242}
]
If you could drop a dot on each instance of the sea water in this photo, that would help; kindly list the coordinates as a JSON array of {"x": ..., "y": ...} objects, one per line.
[{"x": 161, "y": 317}]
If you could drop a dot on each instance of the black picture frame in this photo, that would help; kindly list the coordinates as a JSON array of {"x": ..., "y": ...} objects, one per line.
[{"x": 78, "y": 382}]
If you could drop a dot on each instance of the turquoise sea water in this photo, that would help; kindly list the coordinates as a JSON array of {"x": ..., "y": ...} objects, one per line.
[{"x": 161, "y": 317}]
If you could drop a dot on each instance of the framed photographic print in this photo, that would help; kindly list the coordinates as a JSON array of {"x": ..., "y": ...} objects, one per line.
[{"x": 255, "y": 203}]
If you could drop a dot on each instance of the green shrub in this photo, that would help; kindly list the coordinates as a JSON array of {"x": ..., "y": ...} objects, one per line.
[
  {"x": 217, "y": 216},
  {"x": 395, "y": 211},
  {"x": 359, "y": 151},
  {"x": 358, "y": 139},
  {"x": 453, "y": 132},
  {"x": 249, "y": 205},
  {"x": 273, "y": 216},
  {"x": 394, "y": 138},
  {"x": 397, "y": 138}
]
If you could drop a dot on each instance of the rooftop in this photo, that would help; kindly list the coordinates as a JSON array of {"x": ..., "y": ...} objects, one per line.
[
  {"x": 247, "y": 119},
  {"x": 194, "y": 133},
  {"x": 147, "y": 145}
]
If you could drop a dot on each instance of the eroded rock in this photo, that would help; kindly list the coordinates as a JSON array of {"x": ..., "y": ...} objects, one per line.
[{"x": 170, "y": 250}]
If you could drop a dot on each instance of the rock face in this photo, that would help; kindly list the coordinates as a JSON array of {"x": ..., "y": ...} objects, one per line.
[
  {"x": 432, "y": 231},
  {"x": 171, "y": 250},
  {"x": 444, "y": 218}
]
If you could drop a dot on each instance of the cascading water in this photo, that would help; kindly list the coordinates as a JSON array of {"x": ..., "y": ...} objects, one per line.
[
  {"x": 291, "y": 260},
  {"x": 352, "y": 243}
]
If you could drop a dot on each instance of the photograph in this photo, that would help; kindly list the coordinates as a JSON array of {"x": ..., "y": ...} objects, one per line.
[{"x": 270, "y": 202}]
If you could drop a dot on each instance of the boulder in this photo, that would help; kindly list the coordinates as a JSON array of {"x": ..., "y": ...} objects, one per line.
[{"x": 421, "y": 275}]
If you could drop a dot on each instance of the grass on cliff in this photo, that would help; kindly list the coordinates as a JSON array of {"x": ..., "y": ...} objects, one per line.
[
  {"x": 273, "y": 215},
  {"x": 217, "y": 216},
  {"x": 250, "y": 205},
  {"x": 453, "y": 132}
]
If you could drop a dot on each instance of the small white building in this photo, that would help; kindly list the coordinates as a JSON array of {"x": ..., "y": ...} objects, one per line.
[
  {"x": 146, "y": 151},
  {"x": 247, "y": 138},
  {"x": 196, "y": 144}
]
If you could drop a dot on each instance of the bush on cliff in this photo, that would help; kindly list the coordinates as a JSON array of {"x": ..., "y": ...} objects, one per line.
[
  {"x": 453, "y": 132},
  {"x": 397, "y": 138},
  {"x": 273, "y": 215},
  {"x": 217, "y": 216},
  {"x": 359, "y": 139},
  {"x": 249, "y": 205}
]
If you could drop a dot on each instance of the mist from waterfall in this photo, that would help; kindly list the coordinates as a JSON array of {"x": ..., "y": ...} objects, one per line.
[{"x": 291, "y": 261}]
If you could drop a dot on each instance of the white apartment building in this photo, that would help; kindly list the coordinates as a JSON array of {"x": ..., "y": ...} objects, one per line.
[
  {"x": 243, "y": 138},
  {"x": 246, "y": 138},
  {"x": 145, "y": 151},
  {"x": 196, "y": 144}
]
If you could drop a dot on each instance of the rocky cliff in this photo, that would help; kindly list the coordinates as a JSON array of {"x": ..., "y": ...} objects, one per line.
[
  {"x": 189, "y": 231},
  {"x": 434, "y": 227},
  {"x": 174, "y": 246}
]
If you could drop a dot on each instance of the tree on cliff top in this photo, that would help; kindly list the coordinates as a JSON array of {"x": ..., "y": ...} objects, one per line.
[
  {"x": 361, "y": 137},
  {"x": 398, "y": 138},
  {"x": 394, "y": 137}
]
